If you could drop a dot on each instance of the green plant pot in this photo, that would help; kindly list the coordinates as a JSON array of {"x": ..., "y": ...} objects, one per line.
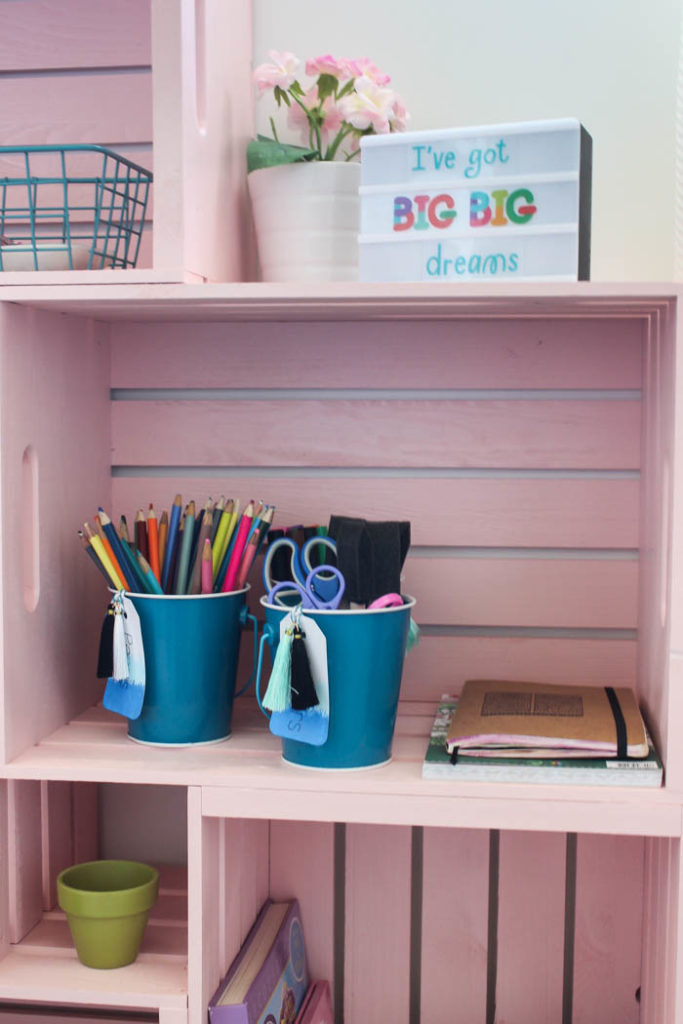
[{"x": 107, "y": 903}]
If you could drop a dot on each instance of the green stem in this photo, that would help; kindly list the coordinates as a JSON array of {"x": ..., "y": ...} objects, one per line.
[
  {"x": 334, "y": 146},
  {"x": 313, "y": 126},
  {"x": 272, "y": 126}
]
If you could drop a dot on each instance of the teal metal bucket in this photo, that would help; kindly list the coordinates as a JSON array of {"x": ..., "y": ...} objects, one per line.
[
  {"x": 365, "y": 652},
  {"x": 191, "y": 646}
]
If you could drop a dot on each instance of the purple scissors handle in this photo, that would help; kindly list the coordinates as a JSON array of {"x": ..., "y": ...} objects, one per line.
[
  {"x": 327, "y": 574},
  {"x": 306, "y": 594}
]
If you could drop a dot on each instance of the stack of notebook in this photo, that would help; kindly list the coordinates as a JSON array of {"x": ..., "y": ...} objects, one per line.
[{"x": 500, "y": 730}]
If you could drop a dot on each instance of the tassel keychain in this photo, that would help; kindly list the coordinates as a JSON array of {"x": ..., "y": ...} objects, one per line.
[
  {"x": 105, "y": 656},
  {"x": 302, "y": 686},
  {"x": 277, "y": 696}
]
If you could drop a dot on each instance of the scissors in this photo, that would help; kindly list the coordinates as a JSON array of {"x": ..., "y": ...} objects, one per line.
[
  {"x": 307, "y": 592},
  {"x": 327, "y": 578}
]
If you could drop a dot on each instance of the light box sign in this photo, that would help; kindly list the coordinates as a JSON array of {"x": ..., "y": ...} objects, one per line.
[{"x": 501, "y": 202}]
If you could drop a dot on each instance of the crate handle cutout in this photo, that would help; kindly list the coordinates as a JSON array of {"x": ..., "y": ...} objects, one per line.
[{"x": 30, "y": 539}]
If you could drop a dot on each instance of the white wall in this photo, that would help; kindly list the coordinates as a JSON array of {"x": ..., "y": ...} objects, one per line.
[{"x": 610, "y": 63}]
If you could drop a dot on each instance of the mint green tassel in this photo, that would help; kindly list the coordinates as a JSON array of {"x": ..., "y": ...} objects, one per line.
[
  {"x": 413, "y": 634},
  {"x": 278, "y": 693}
]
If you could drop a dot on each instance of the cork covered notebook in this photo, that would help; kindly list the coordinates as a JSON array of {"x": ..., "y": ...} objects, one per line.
[{"x": 511, "y": 718}]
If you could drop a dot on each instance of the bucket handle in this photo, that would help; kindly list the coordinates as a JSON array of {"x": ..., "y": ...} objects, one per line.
[
  {"x": 268, "y": 635},
  {"x": 245, "y": 616}
]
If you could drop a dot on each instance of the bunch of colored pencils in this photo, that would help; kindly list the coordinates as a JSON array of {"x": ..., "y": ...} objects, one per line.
[{"x": 186, "y": 552}]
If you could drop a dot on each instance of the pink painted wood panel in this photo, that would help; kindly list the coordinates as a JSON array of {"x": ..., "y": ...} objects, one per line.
[
  {"x": 442, "y": 664},
  {"x": 454, "y": 925},
  {"x": 588, "y": 513},
  {"x": 57, "y": 836},
  {"x": 247, "y": 846},
  {"x": 302, "y": 866},
  {"x": 203, "y": 95},
  {"x": 4, "y": 868},
  {"x": 609, "y": 919},
  {"x": 24, "y": 857},
  {"x": 98, "y": 108},
  {"x": 470, "y": 354},
  {"x": 660, "y": 930},
  {"x": 53, "y": 371},
  {"x": 376, "y": 968},
  {"x": 84, "y": 809},
  {"x": 205, "y": 874},
  {"x": 319, "y": 432},
  {"x": 524, "y": 592},
  {"x": 37, "y": 34},
  {"x": 530, "y": 927}
]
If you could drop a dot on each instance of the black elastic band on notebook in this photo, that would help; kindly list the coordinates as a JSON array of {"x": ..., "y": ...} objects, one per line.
[
  {"x": 454, "y": 755},
  {"x": 619, "y": 722}
]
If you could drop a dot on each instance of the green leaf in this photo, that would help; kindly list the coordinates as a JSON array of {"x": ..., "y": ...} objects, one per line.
[
  {"x": 265, "y": 152},
  {"x": 327, "y": 86}
]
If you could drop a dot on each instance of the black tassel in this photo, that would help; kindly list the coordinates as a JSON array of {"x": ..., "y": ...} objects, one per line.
[
  {"x": 105, "y": 657},
  {"x": 303, "y": 687}
]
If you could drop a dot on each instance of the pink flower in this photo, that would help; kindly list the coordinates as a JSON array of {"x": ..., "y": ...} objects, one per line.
[
  {"x": 282, "y": 72},
  {"x": 398, "y": 119},
  {"x": 364, "y": 66},
  {"x": 325, "y": 65},
  {"x": 296, "y": 118},
  {"x": 368, "y": 106}
]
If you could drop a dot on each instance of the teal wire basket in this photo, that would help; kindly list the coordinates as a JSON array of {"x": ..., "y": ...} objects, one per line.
[{"x": 70, "y": 208}]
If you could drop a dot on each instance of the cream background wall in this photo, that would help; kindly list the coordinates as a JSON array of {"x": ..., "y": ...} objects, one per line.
[{"x": 610, "y": 63}]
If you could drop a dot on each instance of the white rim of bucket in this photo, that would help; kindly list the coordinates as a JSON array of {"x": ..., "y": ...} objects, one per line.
[
  {"x": 200, "y": 743},
  {"x": 181, "y": 597},
  {"x": 408, "y": 602},
  {"x": 356, "y": 768}
]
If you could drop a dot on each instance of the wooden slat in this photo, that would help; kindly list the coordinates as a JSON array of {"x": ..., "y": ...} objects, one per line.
[
  {"x": 524, "y": 592},
  {"x": 76, "y": 109},
  {"x": 609, "y": 917},
  {"x": 302, "y": 866},
  {"x": 319, "y": 432},
  {"x": 37, "y": 34},
  {"x": 460, "y": 512},
  {"x": 454, "y": 925},
  {"x": 24, "y": 858},
  {"x": 438, "y": 354},
  {"x": 530, "y": 927},
  {"x": 442, "y": 664},
  {"x": 377, "y": 944},
  {"x": 57, "y": 836}
]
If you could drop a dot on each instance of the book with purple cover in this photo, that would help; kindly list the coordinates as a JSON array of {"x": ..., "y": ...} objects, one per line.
[
  {"x": 317, "y": 1006},
  {"x": 268, "y": 980}
]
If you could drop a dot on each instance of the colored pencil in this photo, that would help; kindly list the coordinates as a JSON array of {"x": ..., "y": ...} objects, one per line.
[
  {"x": 180, "y": 586},
  {"x": 149, "y": 577},
  {"x": 110, "y": 551},
  {"x": 153, "y": 543},
  {"x": 171, "y": 541},
  {"x": 247, "y": 559},
  {"x": 196, "y": 569},
  {"x": 122, "y": 550},
  {"x": 264, "y": 527},
  {"x": 217, "y": 514},
  {"x": 221, "y": 538},
  {"x": 163, "y": 536},
  {"x": 238, "y": 550},
  {"x": 90, "y": 552},
  {"x": 101, "y": 553},
  {"x": 207, "y": 567},
  {"x": 141, "y": 533}
]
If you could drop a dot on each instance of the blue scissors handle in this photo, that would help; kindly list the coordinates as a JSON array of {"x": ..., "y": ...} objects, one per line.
[{"x": 300, "y": 563}]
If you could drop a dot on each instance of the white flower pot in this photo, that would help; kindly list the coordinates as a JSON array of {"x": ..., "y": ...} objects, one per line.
[{"x": 307, "y": 217}]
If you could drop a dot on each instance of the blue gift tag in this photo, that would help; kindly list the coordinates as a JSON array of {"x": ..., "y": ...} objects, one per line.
[
  {"x": 312, "y": 725},
  {"x": 307, "y": 726}
]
